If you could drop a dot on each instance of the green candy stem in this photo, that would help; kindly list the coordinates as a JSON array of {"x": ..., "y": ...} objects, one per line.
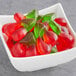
[
  {"x": 28, "y": 24},
  {"x": 39, "y": 17},
  {"x": 33, "y": 14},
  {"x": 30, "y": 20},
  {"x": 38, "y": 30},
  {"x": 55, "y": 27},
  {"x": 48, "y": 17},
  {"x": 29, "y": 39},
  {"x": 54, "y": 50}
]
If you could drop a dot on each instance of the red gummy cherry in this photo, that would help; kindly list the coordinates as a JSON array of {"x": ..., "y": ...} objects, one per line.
[
  {"x": 19, "y": 34},
  {"x": 9, "y": 28},
  {"x": 10, "y": 43},
  {"x": 5, "y": 37},
  {"x": 42, "y": 47},
  {"x": 31, "y": 51},
  {"x": 61, "y": 21},
  {"x": 65, "y": 41},
  {"x": 50, "y": 37},
  {"x": 18, "y": 50},
  {"x": 64, "y": 29},
  {"x": 18, "y": 17}
]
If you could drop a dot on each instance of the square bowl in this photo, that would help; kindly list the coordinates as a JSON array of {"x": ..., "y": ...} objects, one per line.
[{"x": 44, "y": 61}]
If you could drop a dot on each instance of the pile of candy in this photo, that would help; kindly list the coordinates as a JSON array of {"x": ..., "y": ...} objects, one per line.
[{"x": 33, "y": 34}]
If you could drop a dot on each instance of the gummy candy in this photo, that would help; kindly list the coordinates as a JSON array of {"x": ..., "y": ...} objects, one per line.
[
  {"x": 35, "y": 34},
  {"x": 48, "y": 17},
  {"x": 31, "y": 51},
  {"x": 33, "y": 14},
  {"x": 50, "y": 37},
  {"x": 19, "y": 34},
  {"x": 64, "y": 29},
  {"x": 5, "y": 37},
  {"x": 18, "y": 50},
  {"x": 55, "y": 27},
  {"x": 61, "y": 21},
  {"x": 28, "y": 24},
  {"x": 10, "y": 43},
  {"x": 9, "y": 28},
  {"x": 18, "y": 17},
  {"x": 42, "y": 47},
  {"x": 54, "y": 50},
  {"x": 38, "y": 30},
  {"x": 29, "y": 39},
  {"x": 65, "y": 41}
]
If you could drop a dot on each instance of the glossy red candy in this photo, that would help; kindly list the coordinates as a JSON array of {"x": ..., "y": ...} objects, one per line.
[
  {"x": 50, "y": 37},
  {"x": 5, "y": 37},
  {"x": 18, "y": 50},
  {"x": 64, "y": 29},
  {"x": 31, "y": 29},
  {"x": 31, "y": 51},
  {"x": 42, "y": 47},
  {"x": 50, "y": 29},
  {"x": 65, "y": 41},
  {"x": 10, "y": 43},
  {"x": 18, "y": 17},
  {"x": 61, "y": 21},
  {"x": 19, "y": 34},
  {"x": 9, "y": 28}
]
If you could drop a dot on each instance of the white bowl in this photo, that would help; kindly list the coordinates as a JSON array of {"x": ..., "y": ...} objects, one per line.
[{"x": 44, "y": 61}]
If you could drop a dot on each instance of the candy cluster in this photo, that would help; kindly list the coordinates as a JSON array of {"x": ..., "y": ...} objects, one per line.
[{"x": 34, "y": 34}]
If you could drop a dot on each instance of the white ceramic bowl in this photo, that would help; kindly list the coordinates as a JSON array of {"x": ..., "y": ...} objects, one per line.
[{"x": 44, "y": 61}]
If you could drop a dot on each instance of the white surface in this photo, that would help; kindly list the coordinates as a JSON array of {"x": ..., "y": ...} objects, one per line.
[{"x": 40, "y": 62}]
